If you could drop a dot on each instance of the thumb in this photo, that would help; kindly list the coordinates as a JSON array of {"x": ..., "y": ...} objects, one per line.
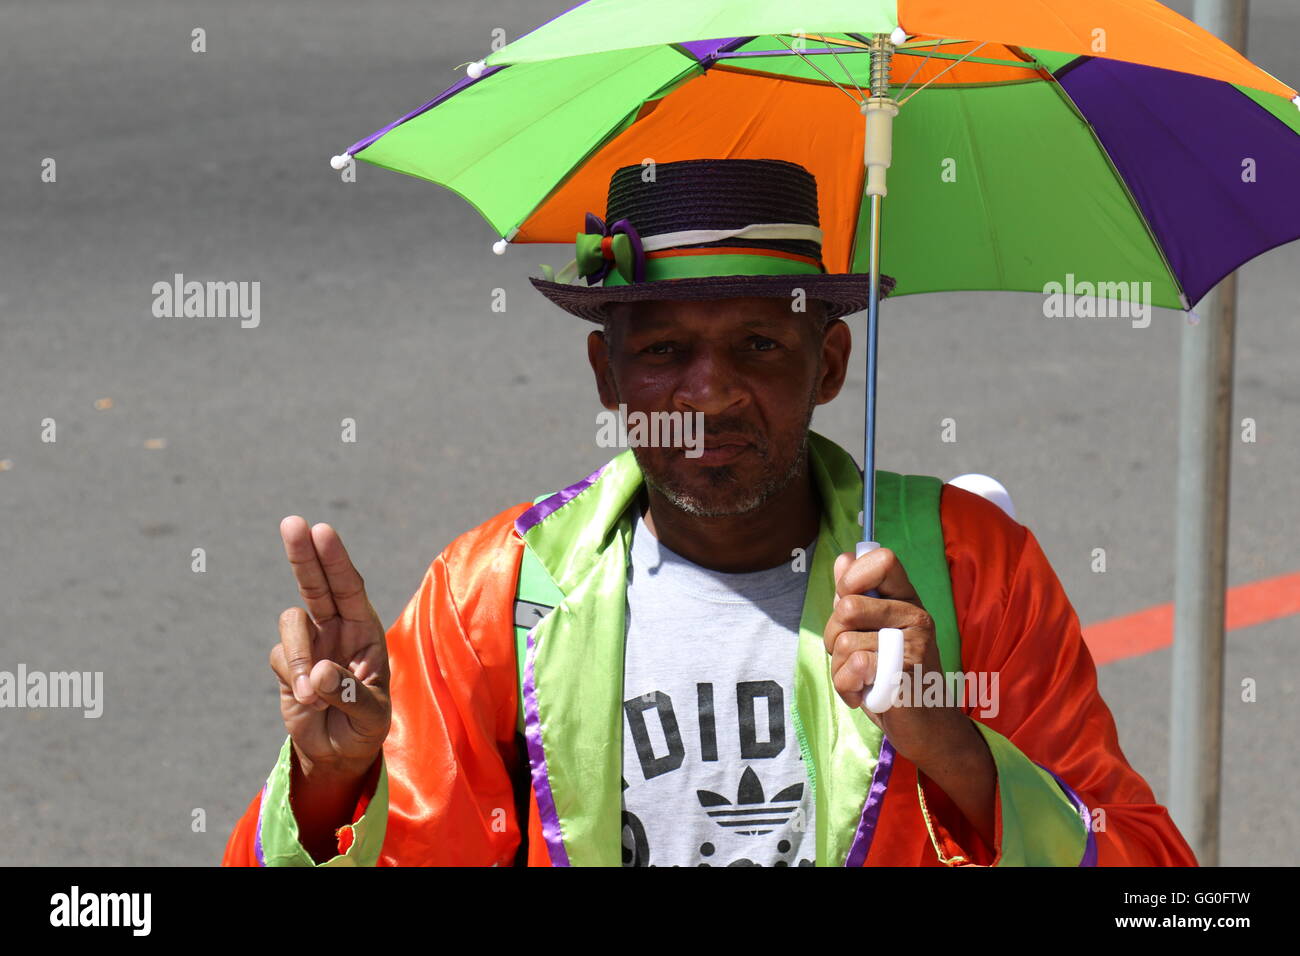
[{"x": 340, "y": 688}]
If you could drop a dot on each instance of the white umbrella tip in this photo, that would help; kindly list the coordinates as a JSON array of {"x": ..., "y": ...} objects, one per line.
[
  {"x": 499, "y": 247},
  {"x": 475, "y": 69},
  {"x": 898, "y": 37},
  {"x": 1296, "y": 101},
  {"x": 339, "y": 161}
]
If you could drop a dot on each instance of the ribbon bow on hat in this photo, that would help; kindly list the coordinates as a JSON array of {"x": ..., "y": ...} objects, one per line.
[{"x": 602, "y": 249}]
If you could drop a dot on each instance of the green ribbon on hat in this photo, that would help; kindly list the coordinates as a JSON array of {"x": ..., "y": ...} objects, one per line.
[
  {"x": 591, "y": 258},
  {"x": 715, "y": 266}
]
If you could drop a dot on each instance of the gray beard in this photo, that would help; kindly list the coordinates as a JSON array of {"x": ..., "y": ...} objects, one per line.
[
  {"x": 769, "y": 489},
  {"x": 759, "y": 496}
]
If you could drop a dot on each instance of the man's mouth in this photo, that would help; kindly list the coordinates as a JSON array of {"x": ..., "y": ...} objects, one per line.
[{"x": 722, "y": 451}]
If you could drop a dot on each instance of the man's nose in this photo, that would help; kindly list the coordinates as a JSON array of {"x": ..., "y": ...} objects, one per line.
[{"x": 710, "y": 383}]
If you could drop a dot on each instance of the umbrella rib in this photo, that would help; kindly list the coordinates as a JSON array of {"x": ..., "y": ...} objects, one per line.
[
  {"x": 918, "y": 70},
  {"x": 945, "y": 70},
  {"x": 847, "y": 72},
  {"x": 800, "y": 55}
]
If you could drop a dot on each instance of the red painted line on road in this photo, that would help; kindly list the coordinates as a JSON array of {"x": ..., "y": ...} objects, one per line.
[{"x": 1151, "y": 629}]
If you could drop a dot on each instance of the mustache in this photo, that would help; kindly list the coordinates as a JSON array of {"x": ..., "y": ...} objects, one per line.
[{"x": 718, "y": 428}]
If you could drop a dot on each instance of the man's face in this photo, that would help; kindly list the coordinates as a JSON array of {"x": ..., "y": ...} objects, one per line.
[{"x": 753, "y": 367}]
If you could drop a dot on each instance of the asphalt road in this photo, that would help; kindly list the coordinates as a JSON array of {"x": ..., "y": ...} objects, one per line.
[{"x": 376, "y": 306}]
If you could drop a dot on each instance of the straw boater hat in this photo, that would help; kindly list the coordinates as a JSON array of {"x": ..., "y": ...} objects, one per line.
[{"x": 705, "y": 229}]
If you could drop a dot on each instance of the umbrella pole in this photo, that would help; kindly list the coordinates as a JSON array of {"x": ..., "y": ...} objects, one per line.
[
  {"x": 878, "y": 140},
  {"x": 873, "y": 336},
  {"x": 878, "y": 111}
]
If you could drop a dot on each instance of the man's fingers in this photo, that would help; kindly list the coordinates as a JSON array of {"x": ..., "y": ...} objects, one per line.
[
  {"x": 338, "y": 686},
  {"x": 345, "y": 583},
  {"x": 854, "y": 676},
  {"x": 857, "y": 612},
  {"x": 843, "y": 645},
  {"x": 878, "y": 570},
  {"x": 307, "y": 571},
  {"x": 297, "y": 637},
  {"x": 849, "y": 643},
  {"x": 286, "y": 679}
]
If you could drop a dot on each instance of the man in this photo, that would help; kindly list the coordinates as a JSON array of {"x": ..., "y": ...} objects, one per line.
[{"x": 664, "y": 664}]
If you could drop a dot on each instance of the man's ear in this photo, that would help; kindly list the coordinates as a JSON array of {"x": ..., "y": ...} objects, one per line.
[
  {"x": 598, "y": 356},
  {"x": 837, "y": 345}
]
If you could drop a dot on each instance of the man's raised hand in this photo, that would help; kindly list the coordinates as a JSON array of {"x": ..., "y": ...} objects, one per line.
[{"x": 331, "y": 660}]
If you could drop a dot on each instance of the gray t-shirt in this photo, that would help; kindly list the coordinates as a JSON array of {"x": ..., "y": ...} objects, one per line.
[{"x": 712, "y": 771}]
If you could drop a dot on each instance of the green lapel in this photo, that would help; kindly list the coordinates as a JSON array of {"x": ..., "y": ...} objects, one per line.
[
  {"x": 839, "y": 743},
  {"x": 576, "y": 668}
]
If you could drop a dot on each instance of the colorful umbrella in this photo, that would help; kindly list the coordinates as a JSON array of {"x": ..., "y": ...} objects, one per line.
[{"x": 1111, "y": 142}]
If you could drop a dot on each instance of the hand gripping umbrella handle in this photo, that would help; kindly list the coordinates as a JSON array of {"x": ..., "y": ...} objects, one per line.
[{"x": 889, "y": 656}]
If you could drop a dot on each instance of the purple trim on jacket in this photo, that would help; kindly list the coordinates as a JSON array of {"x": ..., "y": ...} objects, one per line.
[
  {"x": 1090, "y": 851},
  {"x": 861, "y": 844},
  {"x": 548, "y": 506},
  {"x": 261, "y": 812},
  {"x": 550, "y": 817}
]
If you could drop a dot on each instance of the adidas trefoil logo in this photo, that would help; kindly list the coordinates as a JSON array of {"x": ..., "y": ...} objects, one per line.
[{"x": 750, "y": 815}]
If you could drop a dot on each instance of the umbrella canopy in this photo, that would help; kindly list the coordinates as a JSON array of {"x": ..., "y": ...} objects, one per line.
[
  {"x": 1092, "y": 138},
  {"x": 1050, "y": 139}
]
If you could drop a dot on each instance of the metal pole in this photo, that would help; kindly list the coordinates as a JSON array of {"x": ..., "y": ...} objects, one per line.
[
  {"x": 882, "y": 51},
  {"x": 873, "y": 344},
  {"x": 1200, "y": 561}
]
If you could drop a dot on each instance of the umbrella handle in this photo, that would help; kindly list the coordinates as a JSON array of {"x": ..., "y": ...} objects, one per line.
[{"x": 889, "y": 656}]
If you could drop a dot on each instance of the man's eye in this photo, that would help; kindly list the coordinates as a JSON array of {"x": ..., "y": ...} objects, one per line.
[
  {"x": 659, "y": 348},
  {"x": 762, "y": 344}
]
